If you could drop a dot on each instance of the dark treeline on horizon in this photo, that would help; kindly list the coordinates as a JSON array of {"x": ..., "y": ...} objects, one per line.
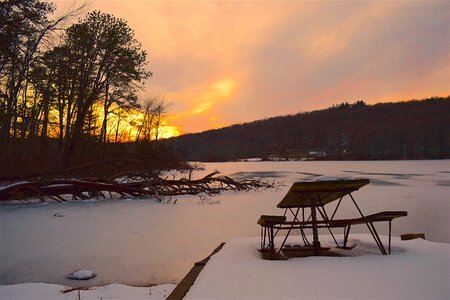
[{"x": 402, "y": 130}]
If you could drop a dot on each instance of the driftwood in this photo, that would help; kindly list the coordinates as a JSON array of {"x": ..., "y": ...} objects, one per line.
[
  {"x": 136, "y": 186},
  {"x": 69, "y": 290}
]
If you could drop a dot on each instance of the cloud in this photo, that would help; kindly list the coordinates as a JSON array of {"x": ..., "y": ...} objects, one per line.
[{"x": 221, "y": 63}]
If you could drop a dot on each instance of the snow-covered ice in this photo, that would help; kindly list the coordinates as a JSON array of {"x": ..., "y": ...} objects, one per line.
[{"x": 416, "y": 269}]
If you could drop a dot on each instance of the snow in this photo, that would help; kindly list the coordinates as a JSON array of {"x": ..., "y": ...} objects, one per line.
[
  {"x": 7, "y": 186},
  {"x": 417, "y": 269},
  {"x": 112, "y": 291},
  {"x": 330, "y": 178},
  {"x": 60, "y": 185},
  {"x": 143, "y": 242},
  {"x": 81, "y": 275},
  {"x": 253, "y": 159}
]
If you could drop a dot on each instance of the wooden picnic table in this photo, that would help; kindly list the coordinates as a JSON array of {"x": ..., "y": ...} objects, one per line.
[{"x": 314, "y": 196}]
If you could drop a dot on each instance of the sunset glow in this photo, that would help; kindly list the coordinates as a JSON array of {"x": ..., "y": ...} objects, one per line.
[
  {"x": 169, "y": 131},
  {"x": 224, "y": 87},
  {"x": 214, "y": 94},
  {"x": 221, "y": 63}
]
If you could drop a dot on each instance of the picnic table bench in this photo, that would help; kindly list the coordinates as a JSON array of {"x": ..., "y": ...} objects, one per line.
[{"x": 314, "y": 195}]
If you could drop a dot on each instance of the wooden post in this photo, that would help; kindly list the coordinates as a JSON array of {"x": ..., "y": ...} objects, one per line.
[{"x": 316, "y": 243}]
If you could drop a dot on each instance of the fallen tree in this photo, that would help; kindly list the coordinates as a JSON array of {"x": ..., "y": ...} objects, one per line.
[{"x": 127, "y": 185}]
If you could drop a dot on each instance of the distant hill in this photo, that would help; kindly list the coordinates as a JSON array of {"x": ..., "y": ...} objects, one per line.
[{"x": 402, "y": 130}]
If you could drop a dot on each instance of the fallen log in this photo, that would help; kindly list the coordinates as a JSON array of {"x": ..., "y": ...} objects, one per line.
[{"x": 142, "y": 185}]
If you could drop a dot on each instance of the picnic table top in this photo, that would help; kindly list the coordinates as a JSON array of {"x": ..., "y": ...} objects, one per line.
[{"x": 302, "y": 194}]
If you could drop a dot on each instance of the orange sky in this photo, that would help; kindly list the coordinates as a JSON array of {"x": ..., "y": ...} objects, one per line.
[{"x": 220, "y": 63}]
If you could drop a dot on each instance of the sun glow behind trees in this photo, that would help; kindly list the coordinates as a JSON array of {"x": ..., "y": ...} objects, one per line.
[
  {"x": 122, "y": 125},
  {"x": 65, "y": 88}
]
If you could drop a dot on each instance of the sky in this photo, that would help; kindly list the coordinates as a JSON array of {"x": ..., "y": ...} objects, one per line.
[{"x": 221, "y": 63}]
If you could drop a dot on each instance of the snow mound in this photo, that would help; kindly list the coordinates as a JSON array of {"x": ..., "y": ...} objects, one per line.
[{"x": 81, "y": 275}]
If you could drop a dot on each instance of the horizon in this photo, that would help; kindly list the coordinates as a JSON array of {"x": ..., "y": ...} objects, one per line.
[
  {"x": 225, "y": 63},
  {"x": 310, "y": 111}
]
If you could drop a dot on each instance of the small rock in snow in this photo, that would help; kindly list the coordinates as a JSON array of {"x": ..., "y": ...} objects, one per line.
[{"x": 81, "y": 275}]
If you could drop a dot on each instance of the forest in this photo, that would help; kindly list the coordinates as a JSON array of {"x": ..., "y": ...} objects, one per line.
[
  {"x": 69, "y": 90},
  {"x": 347, "y": 131}
]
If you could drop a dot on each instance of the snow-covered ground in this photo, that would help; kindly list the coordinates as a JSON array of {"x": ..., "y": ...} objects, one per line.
[
  {"x": 142, "y": 242},
  {"x": 416, "y": 269},
  {"x": 46, "y": 291}
]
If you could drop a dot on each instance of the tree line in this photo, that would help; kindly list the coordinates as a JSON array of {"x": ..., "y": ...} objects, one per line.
[
  {"x": 347, "y": 131},
  {"x": 65, "y": 89}
]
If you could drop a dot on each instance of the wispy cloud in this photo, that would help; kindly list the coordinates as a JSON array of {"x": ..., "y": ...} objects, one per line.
[{"x": 227, "y": 62}]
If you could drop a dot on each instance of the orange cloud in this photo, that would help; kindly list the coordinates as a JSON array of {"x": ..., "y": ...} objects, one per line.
[
  {"x": 246, "y": 60},
  {"x": 201, "y": 104},
  {"x": 214, "y": 118}
]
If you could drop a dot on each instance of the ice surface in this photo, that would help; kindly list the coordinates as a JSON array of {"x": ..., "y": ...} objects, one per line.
[{"x": 142, "y": 242}]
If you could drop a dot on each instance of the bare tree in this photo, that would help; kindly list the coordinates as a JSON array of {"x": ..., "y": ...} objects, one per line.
[
  {"x": 24, "y": 26},
  {"x": 153, "y": 111}
]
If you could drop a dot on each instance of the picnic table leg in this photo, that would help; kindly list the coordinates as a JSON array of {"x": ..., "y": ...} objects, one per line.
[
  {"x": 263, "y": 238},
  {"x": 316, "y": 243},
  {"x": 346, "y": 233},
  {"x": 372, "y": 229},
  {"x": 272, "y": 244},
  {"x": 390, "y": 227},
  {"x": 377, "y": 238},
  {"x": 269, "y": 240},
  {"x": 287, "y": 235},
  {"x": 325, "y": 217}
]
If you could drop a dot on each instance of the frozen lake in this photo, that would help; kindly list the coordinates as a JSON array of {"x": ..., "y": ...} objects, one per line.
[{"x": 142, "y": 242}]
